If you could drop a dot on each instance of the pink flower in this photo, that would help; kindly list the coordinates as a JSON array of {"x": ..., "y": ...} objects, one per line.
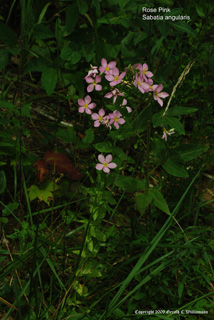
[
  {"x": 115, "y": 118},
  {"x": 157, "y": 94},
  {"x": 115, "y": 78},
  {"x": 98, "y": 117},
  {"x": 114, "y": 94},
  {"x": 140, "y": 84},
  {"x": 94, "y": 83},
  {"x": 105, "y": 163},
  {"x": 150, "y": 84},
  {"x": 92, "y": 72},
  {"x": 144, "y": 71},
  {"x": 124, "y": 103},
  {"x": 107, "y": 68},
  {"x": 85, "y": 106},
  {"x": 165, "y": 133}
]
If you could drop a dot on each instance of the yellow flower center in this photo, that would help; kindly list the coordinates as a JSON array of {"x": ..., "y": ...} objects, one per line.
[
  {"x": 107, "y": 68},
  {"x": 116, "y": 119},
  {"x": 100, "y": 119},
  {"x": 116, "y": 78},
  {"x": 156, "y": 94},
  {"x": 138, "y": 82},
  {"x": 94, "y": 83},
  {"x": 105, "y": 164},
  {"x": 85, "y": 106}
]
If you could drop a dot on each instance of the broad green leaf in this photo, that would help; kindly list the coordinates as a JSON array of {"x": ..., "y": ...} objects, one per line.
[
  {"x": 157, "y": 119},
  {"x": 89, "y": 138},
  {"x": 71, "y": 17},
  {"x": 2, "y": 181},
  {"x": 142, "y": 201},
  {"x": 41, "y": 31},
  {"x": 33, "y": 192},
  {"x": 130, "y": 184},
  {"x": 6, "y": 105},
  {"x": 175, "y": 169},
  {"x": 103, "y": 146},
  {"x": 9, "y": 208},
  {"x": 7, "y": 35},
  {"x": 113, "y": 50},
  {"x": 183, "y": 27},
  {"x": 71, "y": 53},
  {"x": 82, "y": 6},
  {"x": 142, "y": 119},
  {"x": 89, "y": 270},
  {"x": 189, "y": 151},
  {"x": 3, "y": 220},
  {"x": 177, "y": 111},
  {"x": 49, "y": 80},
  {"x": 67, "y": 135},
  {"x": 81, "y": 289},
  {"x": 4, "y": 58},
  {"x": 174, "y": 123},
  {"x": 159, "y": 201}
]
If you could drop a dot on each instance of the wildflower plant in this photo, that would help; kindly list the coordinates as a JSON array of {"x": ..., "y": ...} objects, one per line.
[{"x": 128, "y": 106}]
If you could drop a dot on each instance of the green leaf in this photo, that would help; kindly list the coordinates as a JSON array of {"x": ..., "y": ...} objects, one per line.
[
  {"x": 41, "y": 31},
  {"x": 130, "y": 184},
  {"x": 4, "y": 58},
  {"x": 67, "y": 135},
  {"x": 157, "y": 119},
  {"x": 82, "y": 6},
  {"x": 6, "y": 105},
  {"x": 183, "y": 27},
  {"x": 71, "y": 17},
  {"x": 7, "y": 35},
  {"x": 49, "y": 80},
  {"x": 174, "y": 123},
  {"x": 33, "y": 192},
  {"x": 71, "y": 53},
  {"x": 175, "y": 169},
  {"x": 142, "y": 201},
  {"x": 159, "y": 201},
  {"x": 103, "y": 146},
  {"x": 189, "y": 151},
  {"x": 2, "y": 181},
  {"x": 89, "y": 138},
  {"x": 9, "y": 208},
  {"x": 177, "y": 111}
]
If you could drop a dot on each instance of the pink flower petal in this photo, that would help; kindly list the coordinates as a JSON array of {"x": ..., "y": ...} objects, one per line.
[
  {"x": 95, "y": 116},
  {"x": 103, "y": 62},
  {"x": 121, "y": 121},
  {"x": 116, "y": 125},
  {"x": 109, "y": 77},
  {"x": 92, "y": 105},
  {"x": 81, "y": 109},
  {"x": 99, "y": 166},
  {"x": 108, "y": 95},
  {"x": 90, "y": 88},
  {"x": 160, "y": 102},
  {"x": 106, "y": 169},
  {"x": 97, "y": 79},
  {"x": 108, "y": 158},
  {"x": 81, "y": 102},
  {"x": 159, "y": 88},
  {"x": 112, "y": 165},
  {"x": 98, "y": 87},
  {"x": 101, "y": 112},
  {"x": 122, "y": 75},
  {"x": 97, "y": 123},
  {"x": 163, "y": 95},
  {"x": 87, "y": 99},
  {"x": 112, "y": 64},
  {"x": 88, "y": 111},
  {"x": 89, "y": 79},
  {"x": 101, "y": 158},
  {"x": 149, "y": 74}
]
